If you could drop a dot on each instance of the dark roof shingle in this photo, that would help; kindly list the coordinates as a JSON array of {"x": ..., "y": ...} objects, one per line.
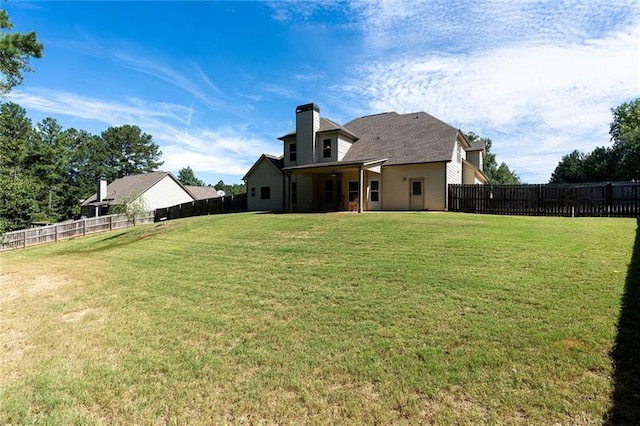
[
  {"x": 401, "y": 138},
  {"x": 203, "y": 192}
]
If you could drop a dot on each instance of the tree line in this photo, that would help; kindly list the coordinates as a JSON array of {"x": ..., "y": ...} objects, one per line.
[
  {"x": 618, "y": 162},
  {"x": 46, "y": 171}
]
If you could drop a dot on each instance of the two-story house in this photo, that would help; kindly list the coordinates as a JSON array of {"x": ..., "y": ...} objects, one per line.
[{"x": 385, "y": 161}]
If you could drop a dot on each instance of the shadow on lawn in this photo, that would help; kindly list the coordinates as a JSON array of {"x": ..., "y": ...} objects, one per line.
[{"x": 625, "y": 355}]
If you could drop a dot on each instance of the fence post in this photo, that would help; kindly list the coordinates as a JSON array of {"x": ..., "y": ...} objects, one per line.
[
  {"x": 111, "y": 223},
  {"x": 84, "y": 227},
  {"x": 24, "y": 239},
  {"x": 55, "y": 232}
]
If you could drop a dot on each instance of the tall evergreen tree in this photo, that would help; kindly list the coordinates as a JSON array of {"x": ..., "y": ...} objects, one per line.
[
  {"x": 15, "y": 132},
  {"x": 16, "y": 51},
  {"x": 129, "y": 151},
  {"x": 47, "y": 162}
]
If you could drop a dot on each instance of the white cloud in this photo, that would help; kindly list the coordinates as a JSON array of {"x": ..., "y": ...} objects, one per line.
[
  {"x": 226, "y": 150},
  {"x": 174, "y": 77},
  {"x": 536, "y": 98}
]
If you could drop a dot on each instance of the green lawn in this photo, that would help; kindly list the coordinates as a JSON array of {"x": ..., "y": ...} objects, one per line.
[{"x": 393, "y": 318}]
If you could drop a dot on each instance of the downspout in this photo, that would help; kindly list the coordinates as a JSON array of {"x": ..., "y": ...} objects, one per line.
[
  {"x": 446, "y": 188},
  {"x": 360, "y": 189}
]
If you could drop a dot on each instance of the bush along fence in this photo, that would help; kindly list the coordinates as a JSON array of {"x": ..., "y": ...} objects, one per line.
[
  {"x": 226, "y": 204},
  {"x": 608, "y": 199},
  {"x": 60, "y": 231}
]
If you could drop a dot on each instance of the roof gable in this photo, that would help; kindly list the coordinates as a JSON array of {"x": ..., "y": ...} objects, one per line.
[
  {"x": 123, "y": 188},
  {"x": 401, "y": 138},
  {"x": 275, "y": 162}
]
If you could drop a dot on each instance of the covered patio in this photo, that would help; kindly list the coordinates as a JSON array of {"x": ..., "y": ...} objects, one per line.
[{"x": 333, "y": 186}]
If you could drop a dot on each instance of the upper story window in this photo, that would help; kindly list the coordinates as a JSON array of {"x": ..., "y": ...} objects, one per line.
[
  {"x": 326, "y": 148},
  {"x": 459, "y": 153},
  {"x": 293, "y": 151}
]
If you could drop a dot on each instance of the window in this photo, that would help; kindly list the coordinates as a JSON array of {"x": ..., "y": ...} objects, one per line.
[
  {"x": 375, "y": 191},
  {"x": 416, "y": 187},
  {"x": 459, "y": 153},
  {"x": 328, "y": 191},
  {"x": 294, "y": 192},
  {"x": 253, "y": 191},
  {"x": 265, "y": 192},
  {"x": 353, "y": 191},
  {"x": 326, "y": 148},
  {"x": 293, "y": 151}
]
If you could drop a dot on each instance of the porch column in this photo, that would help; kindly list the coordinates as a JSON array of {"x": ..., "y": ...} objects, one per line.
[
  {"x": 360, "y": 189},
  {"x": 286, "y": 193}
]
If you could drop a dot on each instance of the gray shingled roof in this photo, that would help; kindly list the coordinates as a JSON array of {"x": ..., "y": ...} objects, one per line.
[
  {"x": 203, "y": 192},
  {"x": 121, "y": 189},
  {"x": 402, "y": 139},
  {"x": 477, "y": 146}
]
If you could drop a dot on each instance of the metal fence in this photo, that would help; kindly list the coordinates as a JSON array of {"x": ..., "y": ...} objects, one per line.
[
  {"x": 608, "y": 199},
  {"x": 60, "y": 231},
  {"x": 226, "y": 204}
]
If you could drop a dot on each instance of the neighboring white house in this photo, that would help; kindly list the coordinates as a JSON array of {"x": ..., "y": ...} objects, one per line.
[
  {"x": 384, "y": 161},
  {"x": 158, "y": 189}
]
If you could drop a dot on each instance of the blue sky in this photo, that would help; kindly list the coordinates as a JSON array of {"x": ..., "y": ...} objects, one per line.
[{"x": 216, "y": 83}]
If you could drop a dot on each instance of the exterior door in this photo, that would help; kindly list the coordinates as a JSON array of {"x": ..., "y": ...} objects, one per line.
[
  {"x": 416, "y": 196},
  {"x": 374, "y": 194}
]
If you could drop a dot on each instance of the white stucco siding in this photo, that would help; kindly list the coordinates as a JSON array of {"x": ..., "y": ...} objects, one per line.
[
  {"x": 454, "y": 172},
  {"x": 396, "y": 190},
  {"x": 265, "y": 175},
  {"x": 343, "y": 147},
  {"x": 165, "y": 193}
]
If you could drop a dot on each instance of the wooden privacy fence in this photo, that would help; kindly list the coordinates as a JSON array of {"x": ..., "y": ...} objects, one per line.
[
  {"x": 60, "y": 231},
  {"x": 609, "y": 199},
  {"x": 226, "y": 204}
]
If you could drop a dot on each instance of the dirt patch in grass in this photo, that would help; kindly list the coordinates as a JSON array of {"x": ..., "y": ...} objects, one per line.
[
  {"x": 46, "y": 283},
  {"x": 77, "y": 315},
  {"x": 24, "y": 293},
  {"x": 572, "y": 343}
]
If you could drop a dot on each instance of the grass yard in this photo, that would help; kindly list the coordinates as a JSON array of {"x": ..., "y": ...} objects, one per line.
[{"x": 393, "y": 318}]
